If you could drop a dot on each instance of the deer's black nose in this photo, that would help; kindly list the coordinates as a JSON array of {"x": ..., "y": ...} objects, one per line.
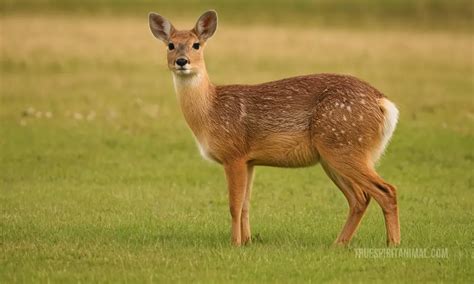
[{"x": 181, "y": 61}]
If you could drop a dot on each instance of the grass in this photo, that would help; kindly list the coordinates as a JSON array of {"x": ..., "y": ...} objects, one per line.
[{"x": 100, "y": 179}]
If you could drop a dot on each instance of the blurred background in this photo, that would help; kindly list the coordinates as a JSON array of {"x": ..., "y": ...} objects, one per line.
[
  {"x": 424, "y": 13},
  {"x": 100, "y": 178}
]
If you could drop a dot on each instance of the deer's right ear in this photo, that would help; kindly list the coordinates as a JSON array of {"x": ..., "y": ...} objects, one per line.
[{"x": 160, "y": 27}]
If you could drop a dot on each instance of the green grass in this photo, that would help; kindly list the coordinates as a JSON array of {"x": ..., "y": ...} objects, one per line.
[{"x": 111, "y": 187}]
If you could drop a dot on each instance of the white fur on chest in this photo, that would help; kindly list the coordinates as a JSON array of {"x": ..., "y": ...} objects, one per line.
[{"x": 204, "y": 150}]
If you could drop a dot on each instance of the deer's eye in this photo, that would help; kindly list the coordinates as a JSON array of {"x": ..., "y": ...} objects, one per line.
[
  {"x": 196, "y": 45},
  {"x": 170, "y": 46}
]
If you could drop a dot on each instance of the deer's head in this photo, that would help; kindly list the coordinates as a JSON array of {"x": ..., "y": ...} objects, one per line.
[{"x": 185, "y": 47}]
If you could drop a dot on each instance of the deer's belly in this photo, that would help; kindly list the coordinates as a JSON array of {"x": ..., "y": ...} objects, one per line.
[
  {"x": 277, "y": 149},
  {"x": 284, "y": 150}
]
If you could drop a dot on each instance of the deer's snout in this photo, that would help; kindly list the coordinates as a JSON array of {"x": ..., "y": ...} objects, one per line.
[{"x": 181, "y": 61}]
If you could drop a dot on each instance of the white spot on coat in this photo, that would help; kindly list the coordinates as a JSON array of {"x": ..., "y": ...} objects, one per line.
[{"x": 243, "y": 111}]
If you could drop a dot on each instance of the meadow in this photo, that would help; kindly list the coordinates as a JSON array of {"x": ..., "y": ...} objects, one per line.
[{"x": 101, "y": 180}]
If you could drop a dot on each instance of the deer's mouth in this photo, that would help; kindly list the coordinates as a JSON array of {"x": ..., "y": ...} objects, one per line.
[{"x": 182, "y": 70}]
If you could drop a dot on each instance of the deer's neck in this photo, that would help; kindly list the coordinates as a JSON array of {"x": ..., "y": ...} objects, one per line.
[{"x": 195, "y": 93}]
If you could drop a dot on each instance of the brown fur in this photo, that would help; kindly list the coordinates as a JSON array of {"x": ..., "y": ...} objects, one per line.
[{"x": 337, "y": 120}]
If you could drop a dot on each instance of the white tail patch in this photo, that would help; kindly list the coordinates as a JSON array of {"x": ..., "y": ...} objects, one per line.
[{"x": 390, "y": 123}]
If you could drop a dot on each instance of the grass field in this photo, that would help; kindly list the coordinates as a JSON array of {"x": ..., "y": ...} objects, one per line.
[{"x": 101, "y": 181}]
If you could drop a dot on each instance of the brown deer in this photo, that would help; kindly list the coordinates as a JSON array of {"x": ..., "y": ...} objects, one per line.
[{"x": 339, "y": 121}]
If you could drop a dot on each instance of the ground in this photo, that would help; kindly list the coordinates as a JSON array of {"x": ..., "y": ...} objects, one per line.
[{"x": 101, "y": 181}]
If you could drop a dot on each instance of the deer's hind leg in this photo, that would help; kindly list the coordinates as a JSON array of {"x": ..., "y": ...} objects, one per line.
[
  {"x": 358, "y": 202},
  {"x": 355, "y": 176}
]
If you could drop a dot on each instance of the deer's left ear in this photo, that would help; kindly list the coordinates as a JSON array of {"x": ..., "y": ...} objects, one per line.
[{"x": 206, "y": 25}]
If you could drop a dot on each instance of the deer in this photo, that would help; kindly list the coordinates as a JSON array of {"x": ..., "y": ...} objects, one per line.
[{"x": 338, "y": 121}]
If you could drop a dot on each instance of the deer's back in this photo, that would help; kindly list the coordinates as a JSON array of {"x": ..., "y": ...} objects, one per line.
[{"x": 288, "y": 104}]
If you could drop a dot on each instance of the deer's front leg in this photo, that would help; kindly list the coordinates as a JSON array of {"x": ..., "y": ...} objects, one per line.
[
  {"x": 245, "y": 219},
  {"x": 236, "y": 173}
]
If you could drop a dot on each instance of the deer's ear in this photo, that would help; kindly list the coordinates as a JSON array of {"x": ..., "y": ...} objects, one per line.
[
  {"x": 160, "y": 27},
  {"x": 206, "y": 25}
]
